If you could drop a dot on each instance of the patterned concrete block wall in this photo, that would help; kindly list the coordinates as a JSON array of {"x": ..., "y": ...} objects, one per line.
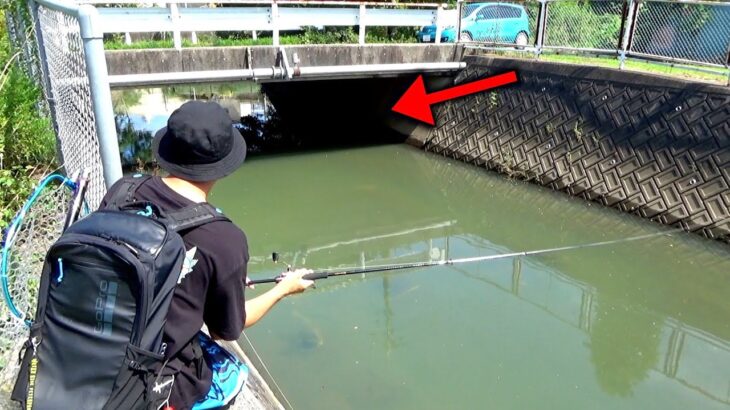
[{"x": 656, "y": 147}]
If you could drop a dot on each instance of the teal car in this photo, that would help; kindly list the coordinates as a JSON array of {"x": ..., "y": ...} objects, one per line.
[{"x": 490, "y": 22}]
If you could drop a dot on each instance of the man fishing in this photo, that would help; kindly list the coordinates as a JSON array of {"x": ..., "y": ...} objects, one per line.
[{"x": 198, "y": 147}]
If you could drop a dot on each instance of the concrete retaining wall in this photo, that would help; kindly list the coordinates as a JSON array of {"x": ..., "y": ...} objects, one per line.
[
  {"x": 231, "y": 58},
  {"x": 655, "y": 147}
]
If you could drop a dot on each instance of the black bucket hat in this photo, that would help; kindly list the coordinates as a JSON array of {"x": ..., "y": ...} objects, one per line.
[{"x": 199, "y": 143}]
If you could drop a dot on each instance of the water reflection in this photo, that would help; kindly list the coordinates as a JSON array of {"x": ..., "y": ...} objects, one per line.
[
  {"x": 640, "y": 324},
  {"x": 135, "y": 141},
  {"x": 624, "y": 344},
  {"x": 627, "y": 341},
  {"x": 141, "y": 112}
]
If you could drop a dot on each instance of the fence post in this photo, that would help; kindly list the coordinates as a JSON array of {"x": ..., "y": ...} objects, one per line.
[
  {"x": 438, "y": 25},
  {"x": 175, "y": 18},
  {"x": 361, "y": 25},
  {"x": 633, "y": 20},
  {"x": 541, "y": 28},
  {"x": 727, "y": 64},
  {"x": 628, "y": 25},
  {"x": 275, "y": 22},
  {"x": 101, "y": 96},
  {"x": 193, "y": 34},
  {"x": 459, "y": 10}
]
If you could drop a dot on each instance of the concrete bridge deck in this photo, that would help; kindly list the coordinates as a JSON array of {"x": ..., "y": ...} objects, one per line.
[{"x": 204, "y": 64}]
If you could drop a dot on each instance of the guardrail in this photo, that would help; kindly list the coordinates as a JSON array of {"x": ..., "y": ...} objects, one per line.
[
  {"x": 275, "y": 16},
  {"x": 684, "y": 33}
]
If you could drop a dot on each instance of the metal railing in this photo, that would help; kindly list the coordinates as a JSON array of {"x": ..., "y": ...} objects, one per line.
[
  {"x": 274, "y": 15},
  {"x": 692, "y": 33}
]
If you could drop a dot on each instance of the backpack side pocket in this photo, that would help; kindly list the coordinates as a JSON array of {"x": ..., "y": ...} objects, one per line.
[{"x": 143, "y": 381}]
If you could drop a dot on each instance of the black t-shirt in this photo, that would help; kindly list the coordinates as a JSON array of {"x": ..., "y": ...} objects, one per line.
[{"x": 210, "y": 290}]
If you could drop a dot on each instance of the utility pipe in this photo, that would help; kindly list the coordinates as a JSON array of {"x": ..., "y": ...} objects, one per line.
[{"x": 131, "y": 80}]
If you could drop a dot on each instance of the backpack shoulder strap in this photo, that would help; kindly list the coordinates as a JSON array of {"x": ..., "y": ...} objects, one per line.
[
  {"x": 193, "y": 216},
  {"x": 124, "y": 193}
]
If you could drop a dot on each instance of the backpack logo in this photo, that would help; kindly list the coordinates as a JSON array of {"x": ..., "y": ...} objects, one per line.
[
  {"x": 188, "y": 264},
  {"x": 104, "y": 308}
]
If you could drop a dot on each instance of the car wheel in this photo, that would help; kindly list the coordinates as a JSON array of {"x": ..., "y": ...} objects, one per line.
[
  {"x": 465, "y": 36},
  {"x": 521, "y": 39}
]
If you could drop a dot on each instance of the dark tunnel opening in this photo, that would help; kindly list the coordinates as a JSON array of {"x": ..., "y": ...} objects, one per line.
[{"x": 325, "y": 114}]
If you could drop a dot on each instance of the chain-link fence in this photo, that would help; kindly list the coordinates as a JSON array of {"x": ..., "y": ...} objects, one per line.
[
  {"x": 697, "y": 32},
  {"x": 581, "y": 25},
  {"x": 69, "y": 94},
  {"x": 686, "y": 32},
  {"x": 53, "y": 51},
  {"x": 19, "y": 27}
]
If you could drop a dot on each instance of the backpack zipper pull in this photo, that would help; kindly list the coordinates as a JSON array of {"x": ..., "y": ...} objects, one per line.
[{"x": 60, "y": 270}]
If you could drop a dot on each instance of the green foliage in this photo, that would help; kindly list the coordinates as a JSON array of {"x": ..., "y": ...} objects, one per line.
[
  {"x": 123, "y": 99},
  {"x": 391, "y": 34},
  {"x": 135, "y": 146},
  {"x": 25, "y": 136},
  {"x": 16, "y": 184},
  {"x": 310, "y": 35},
  {"x": 584, "y": 24},
  {"x": 329, "y": 35},
  {"x": 27, "y": 143},
  {"x": 687, "y": 19}
]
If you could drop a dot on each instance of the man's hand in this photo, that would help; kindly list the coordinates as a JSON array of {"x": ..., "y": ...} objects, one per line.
[{"x": 292, "y": 282}]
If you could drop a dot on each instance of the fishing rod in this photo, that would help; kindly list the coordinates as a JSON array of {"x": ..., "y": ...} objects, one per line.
[{"x": 328, "y": 273}]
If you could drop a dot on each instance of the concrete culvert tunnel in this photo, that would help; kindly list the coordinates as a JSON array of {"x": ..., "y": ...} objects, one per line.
[{"x": 344, "y": 112}]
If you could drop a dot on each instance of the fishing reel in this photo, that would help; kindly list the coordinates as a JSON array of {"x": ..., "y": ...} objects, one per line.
[{"x": 275, "y": 258}]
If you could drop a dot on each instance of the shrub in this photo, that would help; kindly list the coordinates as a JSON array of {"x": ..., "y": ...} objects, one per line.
[
  {"x": 583, "y": 24},
  {"x": 27, "y": 143}
]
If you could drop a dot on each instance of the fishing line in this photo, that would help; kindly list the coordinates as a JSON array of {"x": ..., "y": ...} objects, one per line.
[
  {"x": 266, "y": 369},
  {"x": 562, "y": 248},
  {"x": 326, "y": 273}
]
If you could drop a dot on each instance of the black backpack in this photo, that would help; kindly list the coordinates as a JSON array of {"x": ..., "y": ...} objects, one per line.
[{"x": 105, "y": 290}]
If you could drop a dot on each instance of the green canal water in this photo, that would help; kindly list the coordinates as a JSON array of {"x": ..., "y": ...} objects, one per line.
[{"x": 641, "y": 325}]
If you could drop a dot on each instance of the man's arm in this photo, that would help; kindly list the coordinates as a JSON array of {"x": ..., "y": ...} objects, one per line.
[{"x": 292, "y": 283}]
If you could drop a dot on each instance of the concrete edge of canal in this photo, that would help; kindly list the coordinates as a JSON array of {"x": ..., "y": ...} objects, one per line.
[{"x": 647, "y": 145}]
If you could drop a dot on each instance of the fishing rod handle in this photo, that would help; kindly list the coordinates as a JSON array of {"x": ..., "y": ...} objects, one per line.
[
  {"x": 316, "y": 275},
  {"x": 261, "y": 281},
  {"x": 308, "y": 276}
]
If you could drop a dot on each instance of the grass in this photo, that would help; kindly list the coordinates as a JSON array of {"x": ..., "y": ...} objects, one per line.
[
  {"x": 308, "y": 37},
  {"x": 685, "y": 71},
  {"x": 641, "y": 66}
]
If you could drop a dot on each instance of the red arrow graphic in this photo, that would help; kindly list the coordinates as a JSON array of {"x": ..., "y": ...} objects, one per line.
[{"x": 417, "y": 104}]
